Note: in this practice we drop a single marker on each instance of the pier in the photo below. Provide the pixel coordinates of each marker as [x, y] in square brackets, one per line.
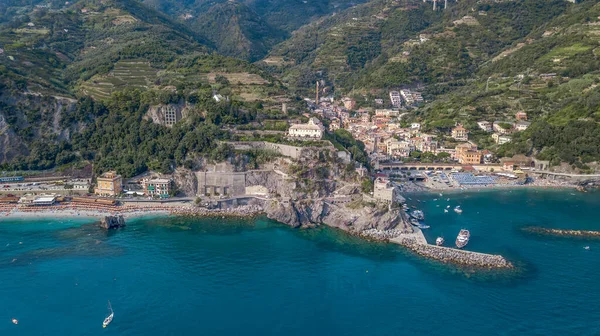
[417, 243]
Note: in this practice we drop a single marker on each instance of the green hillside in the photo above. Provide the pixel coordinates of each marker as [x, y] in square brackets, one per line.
[385, 44]
[237, 31]
[553, 75]
[247, 29]
[54, 60]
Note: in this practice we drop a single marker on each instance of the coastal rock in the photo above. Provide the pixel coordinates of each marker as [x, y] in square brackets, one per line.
[186, 181]
[311, 213]
[112, 222]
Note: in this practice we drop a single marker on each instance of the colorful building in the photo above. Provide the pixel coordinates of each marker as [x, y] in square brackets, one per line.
[109, 184]
[157, 187]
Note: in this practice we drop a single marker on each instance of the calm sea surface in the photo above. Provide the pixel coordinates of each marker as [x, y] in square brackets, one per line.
[170, 276]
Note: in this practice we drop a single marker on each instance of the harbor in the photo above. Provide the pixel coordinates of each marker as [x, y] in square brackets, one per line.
[417, 243]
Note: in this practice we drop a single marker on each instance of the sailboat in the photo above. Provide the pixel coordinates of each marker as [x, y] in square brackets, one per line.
[109, 318]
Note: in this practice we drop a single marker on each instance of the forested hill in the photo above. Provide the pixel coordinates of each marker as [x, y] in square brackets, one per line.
[95, 67]
[248, 28]
[236, 30]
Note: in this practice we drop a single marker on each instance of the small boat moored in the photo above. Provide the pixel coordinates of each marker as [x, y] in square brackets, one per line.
[439, 241]
[463, 238]
[15, 321]
[458, 210]
[416, 223]
[417, 214]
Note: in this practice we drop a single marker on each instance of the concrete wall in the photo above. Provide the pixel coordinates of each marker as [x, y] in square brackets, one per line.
[294, 152]
[222, 183]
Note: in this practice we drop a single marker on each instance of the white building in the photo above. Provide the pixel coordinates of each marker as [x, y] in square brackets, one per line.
[395, 98]
[485, 125]
[415, 126]
[411, 97]
[312, 130]
[156, 187]
[407, 96]
[384, 190]
[499, 129]
[500, 139]
[522, 125]
[387, 113]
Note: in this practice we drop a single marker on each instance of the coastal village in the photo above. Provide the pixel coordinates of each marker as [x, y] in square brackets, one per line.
[401, 159]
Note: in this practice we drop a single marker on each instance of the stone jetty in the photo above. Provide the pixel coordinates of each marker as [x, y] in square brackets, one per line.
[456, 256]
[112, 222]
[562, 232]
[417, 243]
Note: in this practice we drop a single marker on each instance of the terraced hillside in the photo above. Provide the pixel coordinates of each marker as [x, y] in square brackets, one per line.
[386, 44]
[53, 59]
[125, 74]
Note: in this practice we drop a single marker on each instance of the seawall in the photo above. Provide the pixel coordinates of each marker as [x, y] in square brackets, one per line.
[417, 243]
[562, 232]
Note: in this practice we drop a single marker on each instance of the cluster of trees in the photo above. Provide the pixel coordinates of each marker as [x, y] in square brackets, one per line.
[115, 135]
[577, 142]
[347, 141]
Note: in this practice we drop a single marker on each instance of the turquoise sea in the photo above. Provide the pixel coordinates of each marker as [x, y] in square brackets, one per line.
[173, 276]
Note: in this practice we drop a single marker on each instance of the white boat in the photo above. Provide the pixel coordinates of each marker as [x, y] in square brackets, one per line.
[463, 238]
[586, 248]
[439, 241]
[446, 210]
[441, 195]
[419, 225]
[418, 214]
[458, 210]
[447, 207]
[109, 318]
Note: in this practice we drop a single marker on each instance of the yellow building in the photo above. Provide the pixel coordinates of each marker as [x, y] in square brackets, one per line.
[470, 157]
[109, 184]
[460, 133]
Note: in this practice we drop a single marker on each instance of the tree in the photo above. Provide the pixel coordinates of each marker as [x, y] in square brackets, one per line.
[367, 185]
[443, 156]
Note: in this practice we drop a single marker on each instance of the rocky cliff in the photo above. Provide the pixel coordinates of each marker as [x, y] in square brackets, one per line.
[355, 220]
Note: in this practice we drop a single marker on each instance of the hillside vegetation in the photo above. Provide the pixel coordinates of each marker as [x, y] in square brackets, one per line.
[247, 29]
[53, 58]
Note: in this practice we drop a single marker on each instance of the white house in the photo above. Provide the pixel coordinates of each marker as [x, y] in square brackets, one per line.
[485, 125]
[395, 98]
[499, 129]
[500, 139]
[415, 126]
[522, 125]
[313, 130]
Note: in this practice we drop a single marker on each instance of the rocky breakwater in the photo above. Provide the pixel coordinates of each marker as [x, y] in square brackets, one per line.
[242, 211]
[562, 232]
[112, 222]
[456, 256]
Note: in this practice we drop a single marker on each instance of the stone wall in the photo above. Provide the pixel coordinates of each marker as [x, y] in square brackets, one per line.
[221, 183]
[293, 152]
